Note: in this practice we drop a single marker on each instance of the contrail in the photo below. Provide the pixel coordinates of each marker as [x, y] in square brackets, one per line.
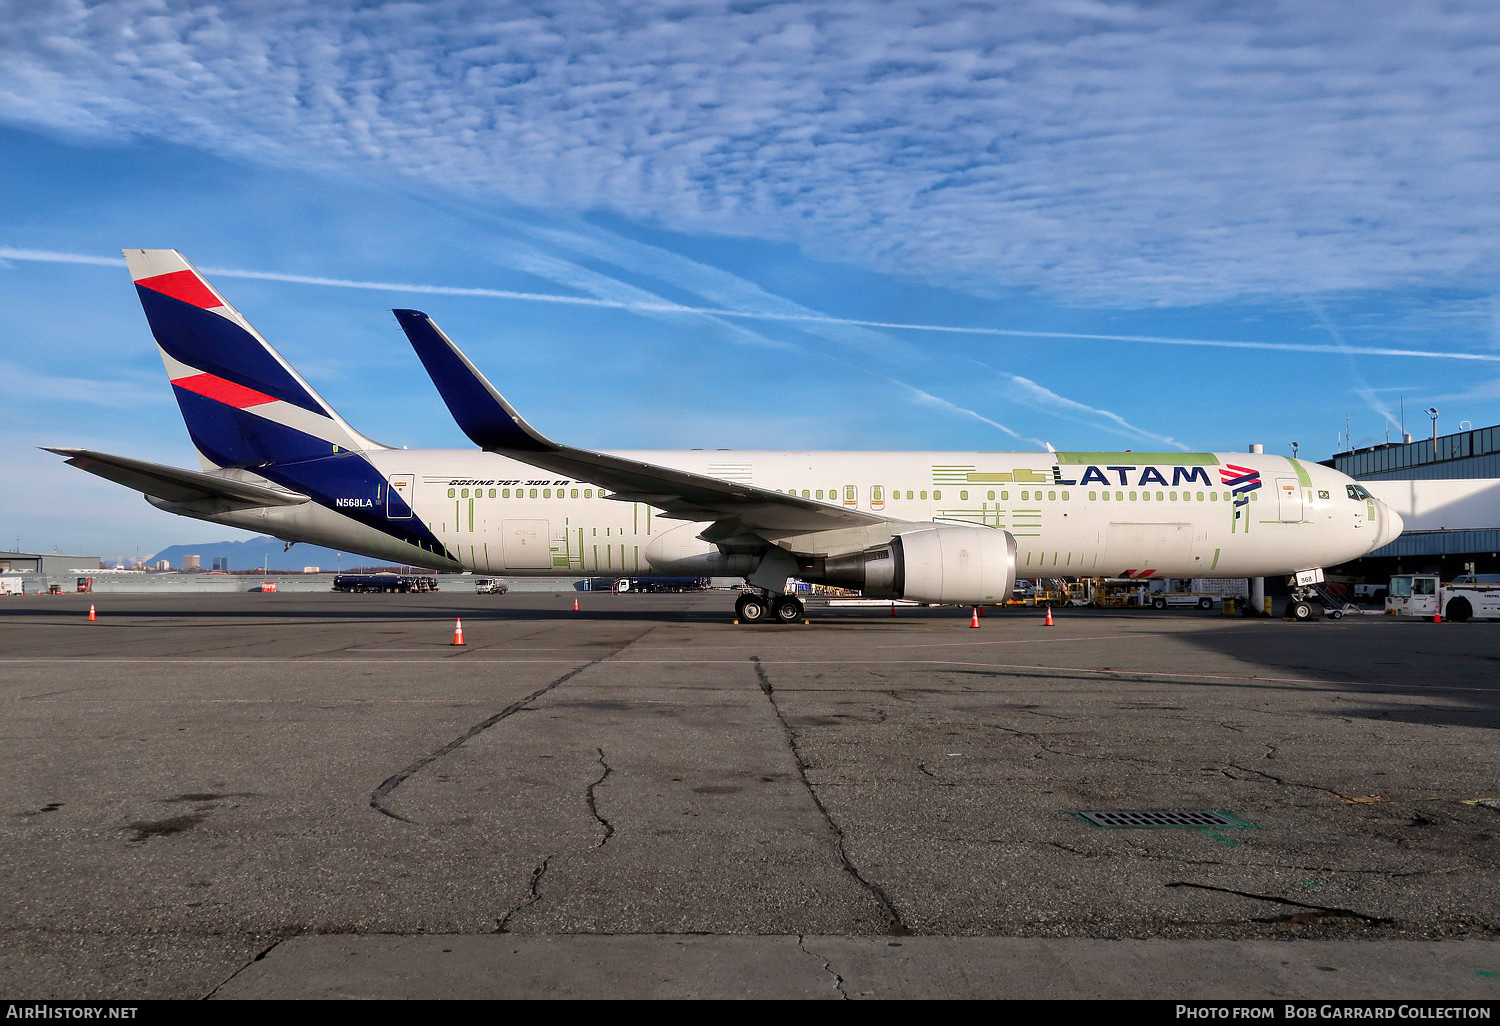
[645, 307]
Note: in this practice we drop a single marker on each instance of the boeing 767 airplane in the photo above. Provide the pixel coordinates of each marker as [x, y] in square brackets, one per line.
[938, 527]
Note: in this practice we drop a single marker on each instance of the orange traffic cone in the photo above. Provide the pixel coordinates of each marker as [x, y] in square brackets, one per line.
[458, 632]
[1048, 622]
[92, 617]
[981, 612]
[893, 609]
[1437, 616]
[974, 620]
[575, 605]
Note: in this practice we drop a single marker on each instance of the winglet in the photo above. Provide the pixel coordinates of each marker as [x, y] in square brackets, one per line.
[481, 412]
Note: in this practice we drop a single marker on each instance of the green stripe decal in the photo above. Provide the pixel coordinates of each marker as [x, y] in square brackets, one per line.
[1136, 459]
[1302, 477]
[1215, 564]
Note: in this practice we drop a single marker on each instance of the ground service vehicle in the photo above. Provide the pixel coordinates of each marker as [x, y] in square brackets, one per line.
[1425, 595]
[386, 582]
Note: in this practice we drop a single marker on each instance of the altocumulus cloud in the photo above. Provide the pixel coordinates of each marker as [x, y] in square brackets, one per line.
[1109, 152]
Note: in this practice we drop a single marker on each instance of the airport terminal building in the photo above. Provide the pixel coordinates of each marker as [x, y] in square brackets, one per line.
[1448, 490]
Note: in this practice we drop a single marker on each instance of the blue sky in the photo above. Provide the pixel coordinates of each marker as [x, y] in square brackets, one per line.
[756, 225]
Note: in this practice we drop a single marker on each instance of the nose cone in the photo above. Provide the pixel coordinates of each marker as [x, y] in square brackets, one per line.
[1390, 524]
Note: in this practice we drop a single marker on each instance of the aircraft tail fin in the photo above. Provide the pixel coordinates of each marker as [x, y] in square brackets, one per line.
[244, 405]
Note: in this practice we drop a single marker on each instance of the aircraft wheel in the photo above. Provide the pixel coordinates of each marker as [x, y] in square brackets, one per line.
[787, 609]
[1300, 611]
[752, 609]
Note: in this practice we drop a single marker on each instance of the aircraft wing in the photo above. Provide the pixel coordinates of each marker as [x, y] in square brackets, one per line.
[493, 424]
[176, 485]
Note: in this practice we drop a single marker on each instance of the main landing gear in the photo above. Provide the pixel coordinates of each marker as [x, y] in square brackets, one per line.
[757, 607]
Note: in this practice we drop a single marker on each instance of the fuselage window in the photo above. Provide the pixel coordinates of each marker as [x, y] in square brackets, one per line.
[1025, 496]
[937, 495]
[533, 493]
[492, 493]
[992, 496]
[909, 493]
[963, 496]
[546, 493]
[588, 493]
[1172, 496]
[505, 493]
[805, 495]
[452, 492]
[464, 493]
[1212, 496]
[1004, 496]
[819, 494]
[1132, 496]
[1065, 496]
[574, 494]
[1160, 496]
[924, 495]
[1051, 496]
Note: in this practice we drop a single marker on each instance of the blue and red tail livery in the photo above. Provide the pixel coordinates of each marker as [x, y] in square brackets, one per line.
[244, 405]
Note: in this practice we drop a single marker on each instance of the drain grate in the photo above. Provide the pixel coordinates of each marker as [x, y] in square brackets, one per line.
[1163, 819]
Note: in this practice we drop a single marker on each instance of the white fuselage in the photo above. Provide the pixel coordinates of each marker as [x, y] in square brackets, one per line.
[1071, 514]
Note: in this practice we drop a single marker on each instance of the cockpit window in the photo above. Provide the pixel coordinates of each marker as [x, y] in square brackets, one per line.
[1358, 492]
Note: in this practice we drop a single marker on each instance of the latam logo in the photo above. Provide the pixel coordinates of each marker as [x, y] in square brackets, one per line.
[1129, 475]
[1241, 481]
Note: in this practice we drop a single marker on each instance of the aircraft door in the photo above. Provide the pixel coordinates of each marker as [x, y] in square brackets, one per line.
[526, 545]
[1289, 499]
[398, 497]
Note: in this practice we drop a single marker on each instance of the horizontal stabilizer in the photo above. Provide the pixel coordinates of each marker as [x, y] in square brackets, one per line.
[176, 485]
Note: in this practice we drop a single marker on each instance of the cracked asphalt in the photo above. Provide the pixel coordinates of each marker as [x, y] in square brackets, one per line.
[316, 795]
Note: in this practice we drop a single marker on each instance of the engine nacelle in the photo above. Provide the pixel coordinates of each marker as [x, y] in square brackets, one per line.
[948, 563]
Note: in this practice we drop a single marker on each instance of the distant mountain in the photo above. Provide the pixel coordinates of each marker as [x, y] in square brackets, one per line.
[253, 554]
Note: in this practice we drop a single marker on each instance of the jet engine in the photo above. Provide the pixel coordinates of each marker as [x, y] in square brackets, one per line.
[947, 563]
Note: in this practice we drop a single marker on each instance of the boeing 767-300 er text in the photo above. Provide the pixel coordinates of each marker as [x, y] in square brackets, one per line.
[940, 527]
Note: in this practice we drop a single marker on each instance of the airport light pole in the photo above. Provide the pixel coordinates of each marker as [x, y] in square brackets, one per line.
[1433, 413]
